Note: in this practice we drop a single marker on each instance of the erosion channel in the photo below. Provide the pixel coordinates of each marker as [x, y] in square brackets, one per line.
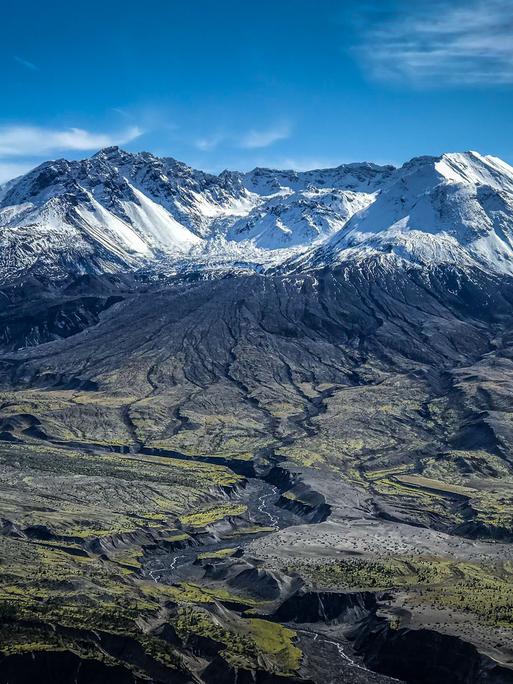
[222, 572]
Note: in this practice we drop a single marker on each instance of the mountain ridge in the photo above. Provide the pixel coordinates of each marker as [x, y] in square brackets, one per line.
[119, 211]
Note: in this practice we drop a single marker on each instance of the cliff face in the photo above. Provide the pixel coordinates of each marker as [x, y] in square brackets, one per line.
[425, 656]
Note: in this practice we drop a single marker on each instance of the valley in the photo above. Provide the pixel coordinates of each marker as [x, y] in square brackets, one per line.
[289, 467]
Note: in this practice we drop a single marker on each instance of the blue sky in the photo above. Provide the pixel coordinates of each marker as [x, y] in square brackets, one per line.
[226, 84]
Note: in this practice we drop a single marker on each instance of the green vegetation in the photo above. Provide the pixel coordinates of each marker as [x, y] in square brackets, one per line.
[358, 423]
[379, 574]
[253, 529]
[273, 638]
[494, 509]
[239, 648]
[436, 486]
[219, 554]
[76, 494]
[73, 501]
[484, 591]
[245, 641]
[458, 467]
[479, 593]
[211, 515]
[47, 591]
[188, 592]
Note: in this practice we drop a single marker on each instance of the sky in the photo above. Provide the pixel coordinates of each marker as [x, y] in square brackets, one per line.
[238, 84]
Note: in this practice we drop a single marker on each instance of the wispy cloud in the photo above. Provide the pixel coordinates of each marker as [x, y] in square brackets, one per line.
[256, 138]
[249, 140]
[209, 142]
[34, 140]
[122, 112]
[444, 43]
[26, 63]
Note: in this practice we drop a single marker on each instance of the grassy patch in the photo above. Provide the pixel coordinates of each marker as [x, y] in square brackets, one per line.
[212, 514]
[273, 638]
[433, 485]
[246, 642]
[220, 553]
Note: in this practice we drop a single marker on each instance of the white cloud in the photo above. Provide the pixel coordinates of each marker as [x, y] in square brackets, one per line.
[26, 63]
[255, 138]
[209, 142]
[33, 140]
[248, 140]
[446, 42]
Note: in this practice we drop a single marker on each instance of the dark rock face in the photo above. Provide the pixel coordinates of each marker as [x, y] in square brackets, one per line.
[420, 656]
[50, 667]
[37, 311]
[251, 342]
[327, 607]
[426, 657]
[220, 672]
[351, 314]
[31, 326]
[306, 503]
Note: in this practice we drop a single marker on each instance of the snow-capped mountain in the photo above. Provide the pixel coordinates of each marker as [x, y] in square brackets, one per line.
[111, 212]
[359, 177]
[457, 208]
[299, 208]
[299, 218]
[148, 204]
[118, 211]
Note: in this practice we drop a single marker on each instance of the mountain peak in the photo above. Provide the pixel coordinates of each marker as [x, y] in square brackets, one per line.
[473, 167]
[111, 151]
[454, 208]
[118, 209]
[113, 154]
[466, 168]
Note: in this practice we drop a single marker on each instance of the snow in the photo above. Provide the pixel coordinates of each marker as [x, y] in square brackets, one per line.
[457, 208]
[47, 241]
[110, 231]
[299, 218]
[239, 206]
[361, 177]
[474, 168]
[119, 211]
[157, 224]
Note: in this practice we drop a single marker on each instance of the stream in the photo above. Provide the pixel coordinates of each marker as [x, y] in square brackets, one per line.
[327, 654]
[326, 650]
[168, 566]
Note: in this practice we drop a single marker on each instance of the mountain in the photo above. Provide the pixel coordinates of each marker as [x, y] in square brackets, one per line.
[109, 213]
[300, 208]
[120, 212]
[457, 208]
[299, 218]
[358, 177]
[256, 427]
